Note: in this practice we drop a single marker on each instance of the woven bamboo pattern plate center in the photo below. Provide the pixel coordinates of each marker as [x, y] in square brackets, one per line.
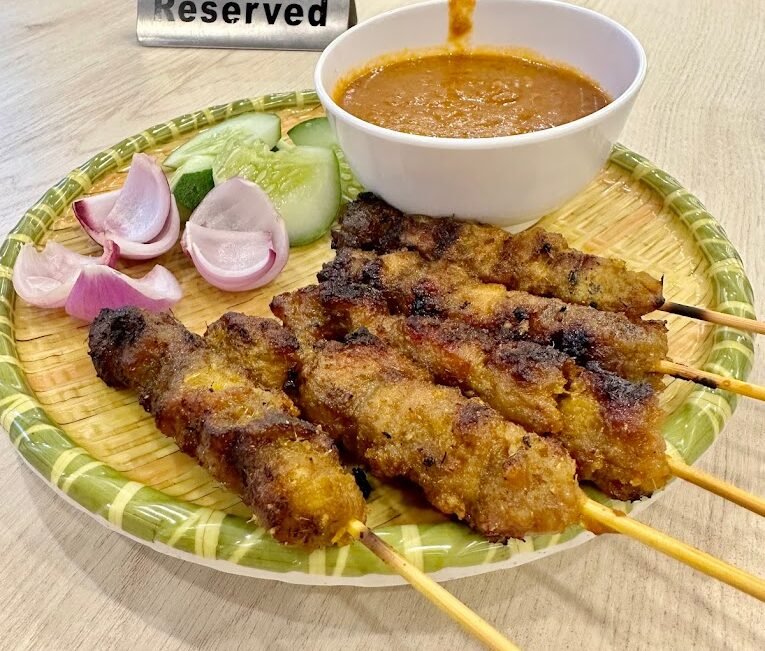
[97, 447]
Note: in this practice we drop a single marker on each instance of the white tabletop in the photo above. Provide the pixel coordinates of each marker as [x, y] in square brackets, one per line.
[74, 80]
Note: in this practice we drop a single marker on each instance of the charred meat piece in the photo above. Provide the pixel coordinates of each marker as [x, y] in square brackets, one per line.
[610, 426]
[536, 261]
[415, 286]
[248, 437]
[470, 462]
[517, 377]
[263, 348]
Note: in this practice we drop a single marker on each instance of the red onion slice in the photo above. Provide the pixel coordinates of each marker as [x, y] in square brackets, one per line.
[45, 278]
[164, 241]
[235, 238]
[137, 212]
[93, 210]
[98, 287]
[234, 261]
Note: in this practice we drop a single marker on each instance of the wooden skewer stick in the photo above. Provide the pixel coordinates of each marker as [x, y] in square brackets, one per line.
[717, 486]
[620, 523]
[711, 316]
[711, 380]
[437, 595]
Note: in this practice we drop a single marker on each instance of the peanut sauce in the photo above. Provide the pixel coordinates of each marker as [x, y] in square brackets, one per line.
[460, 20]
[459, 93]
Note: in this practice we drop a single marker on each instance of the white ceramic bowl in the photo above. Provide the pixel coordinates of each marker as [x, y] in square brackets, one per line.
[510, 180]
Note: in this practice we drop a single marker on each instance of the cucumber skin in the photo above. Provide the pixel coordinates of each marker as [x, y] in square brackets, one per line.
[269, 134]
[191, 188]
[349, 184]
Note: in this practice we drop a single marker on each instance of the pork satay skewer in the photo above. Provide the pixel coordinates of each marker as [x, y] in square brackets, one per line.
[536, 261]
[383, 409]
[415, 286]
[249, 437]
[634, 349]
[610, 426]
[287, 470]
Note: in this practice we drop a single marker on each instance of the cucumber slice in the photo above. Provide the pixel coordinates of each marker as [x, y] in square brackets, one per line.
[250, 126]
[316, 132]
[303, 183]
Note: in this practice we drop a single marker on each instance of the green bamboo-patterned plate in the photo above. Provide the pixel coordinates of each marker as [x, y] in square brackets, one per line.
[98, 449]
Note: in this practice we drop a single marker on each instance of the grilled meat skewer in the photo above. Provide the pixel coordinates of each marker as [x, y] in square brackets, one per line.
[535, 261]
[415, 286]
[248, 437]
[610, 426]
[502, 480]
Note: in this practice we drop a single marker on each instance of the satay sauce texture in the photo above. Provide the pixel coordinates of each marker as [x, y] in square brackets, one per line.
[479, 93]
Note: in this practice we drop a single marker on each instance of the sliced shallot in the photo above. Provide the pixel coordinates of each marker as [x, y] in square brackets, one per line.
[231, 260]
[94, 212]
[45, 278]
[98, 287]
[143, 203]
[164, 241]
[235, 238]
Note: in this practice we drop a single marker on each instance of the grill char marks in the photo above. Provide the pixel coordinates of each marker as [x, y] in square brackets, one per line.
[247, 436]
[351, 265]
[610, 426]
[535, 261]
[412, 285]
[385, 409]
[616, 433]
[520, 377]
[122, 362]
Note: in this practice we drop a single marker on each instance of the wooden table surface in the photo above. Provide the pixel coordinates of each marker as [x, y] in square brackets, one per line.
[74, 80]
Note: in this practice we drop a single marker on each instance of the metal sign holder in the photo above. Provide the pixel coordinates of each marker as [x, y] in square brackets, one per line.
[269, 24]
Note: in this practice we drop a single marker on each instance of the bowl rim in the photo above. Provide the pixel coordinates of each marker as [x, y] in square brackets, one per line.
[438, 142]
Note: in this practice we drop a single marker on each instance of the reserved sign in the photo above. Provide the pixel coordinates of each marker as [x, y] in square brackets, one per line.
[274, 24]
